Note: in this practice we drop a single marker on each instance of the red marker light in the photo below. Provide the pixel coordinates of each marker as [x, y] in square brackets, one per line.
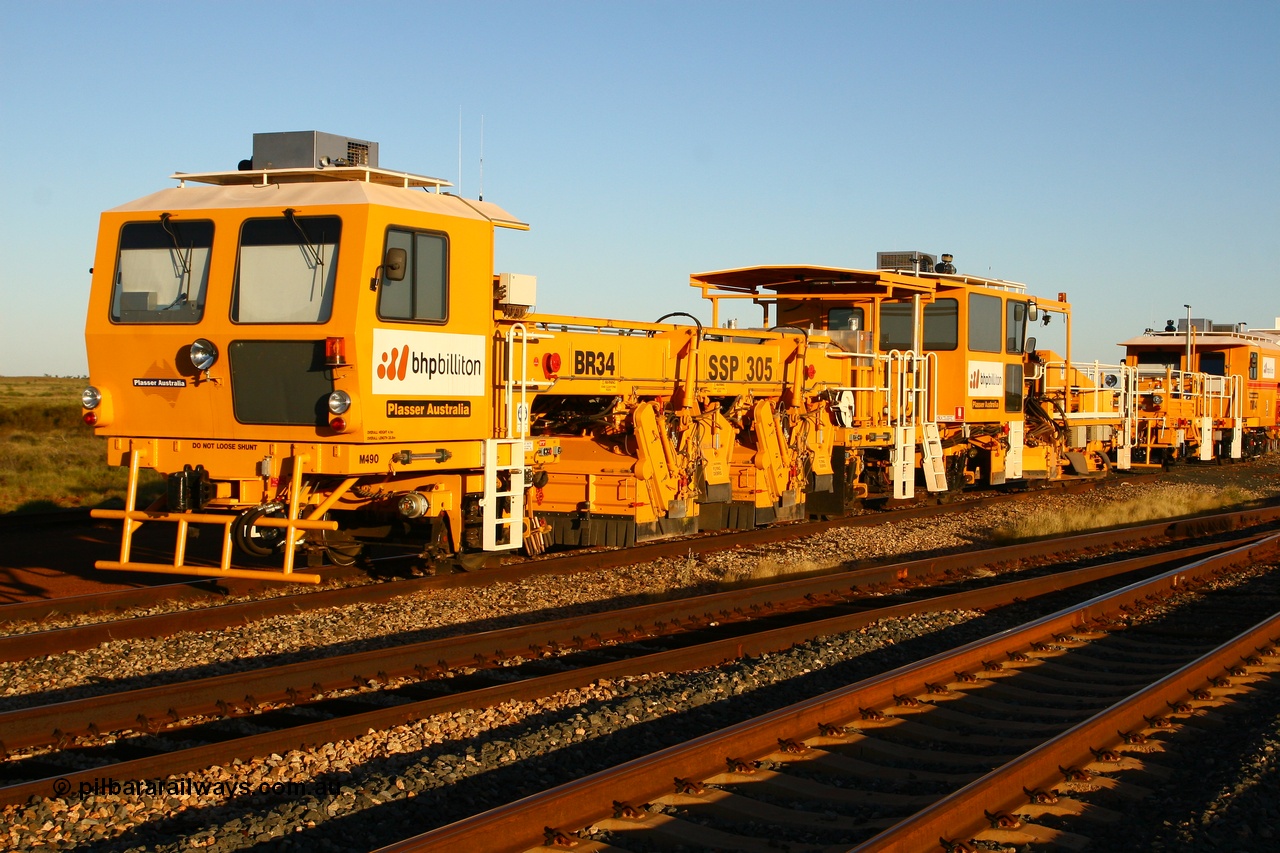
[551, 363]
[338, 424]
[810, 371]
[90, 418]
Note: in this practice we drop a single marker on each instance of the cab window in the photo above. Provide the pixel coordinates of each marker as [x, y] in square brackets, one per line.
[942, 324]
[846, 320]
[1159, 362]
[287, 269]
[1015, 326]
[1214, 363]
[984, 323]
[895, 326]
[162, 271]
[1013, 387]
[422, 295]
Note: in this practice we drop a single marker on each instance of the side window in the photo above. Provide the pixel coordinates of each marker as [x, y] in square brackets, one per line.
[1013, 387]
[1253, 365]
[895, 326]
[423, 294]
[1215, 363]
[984, 323]
[846, 320]
[942, 324]
[162, 271]
[1015, 326]
[287, 269]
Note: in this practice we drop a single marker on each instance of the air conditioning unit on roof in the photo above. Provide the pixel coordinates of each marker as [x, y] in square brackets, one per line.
[311, 149]
[905, 261]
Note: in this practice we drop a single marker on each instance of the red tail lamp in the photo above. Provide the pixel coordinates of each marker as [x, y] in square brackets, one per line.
[338, 424]
[335, 352]
[810, 371]
[90, 418]
[551, 363]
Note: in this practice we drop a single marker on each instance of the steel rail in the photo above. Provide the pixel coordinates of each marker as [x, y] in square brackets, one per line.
[960, 814]
[706, 654]
[583, 559]
[41, 643]
[219, 695]
[520, 826]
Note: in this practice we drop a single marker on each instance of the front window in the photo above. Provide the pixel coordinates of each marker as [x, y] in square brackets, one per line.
[287, 269]
[162, 271]
[423, 292]
[984, 323]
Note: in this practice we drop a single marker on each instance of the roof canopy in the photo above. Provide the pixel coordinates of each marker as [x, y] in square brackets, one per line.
[806, 280]
[367, 174]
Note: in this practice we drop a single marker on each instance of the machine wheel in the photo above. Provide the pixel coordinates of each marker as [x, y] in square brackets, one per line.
[340, 550]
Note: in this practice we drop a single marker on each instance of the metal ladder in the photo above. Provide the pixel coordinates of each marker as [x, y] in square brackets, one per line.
[506, 456]
[913, 406]
[934, 465]
[1206, 438]
[902, 462]
[513, 466]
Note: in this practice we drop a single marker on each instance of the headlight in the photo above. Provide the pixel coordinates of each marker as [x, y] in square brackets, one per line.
[1156, 400]
[90, 397]
[203, 354]
[339, 402]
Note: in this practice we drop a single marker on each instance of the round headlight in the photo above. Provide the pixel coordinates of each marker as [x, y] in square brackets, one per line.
[1156, 399]
[339, 402]
[90, 397]
[203, 354]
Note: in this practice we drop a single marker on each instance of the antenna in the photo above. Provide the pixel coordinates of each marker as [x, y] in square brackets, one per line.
[459, 149]
[481, 196]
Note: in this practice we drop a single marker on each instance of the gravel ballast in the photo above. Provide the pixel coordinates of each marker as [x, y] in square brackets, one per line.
[390, 784]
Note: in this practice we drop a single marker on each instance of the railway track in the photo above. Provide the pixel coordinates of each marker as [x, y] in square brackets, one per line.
[216, 591]
[986, 743]
[185, 727]
[114, 620]
[322, 707]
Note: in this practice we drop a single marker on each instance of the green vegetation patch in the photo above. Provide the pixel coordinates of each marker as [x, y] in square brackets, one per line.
[48, 458]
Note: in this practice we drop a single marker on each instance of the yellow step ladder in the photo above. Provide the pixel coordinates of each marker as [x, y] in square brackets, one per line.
[934, 464]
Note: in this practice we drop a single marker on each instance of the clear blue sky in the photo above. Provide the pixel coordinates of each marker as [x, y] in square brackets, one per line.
[1126, 153]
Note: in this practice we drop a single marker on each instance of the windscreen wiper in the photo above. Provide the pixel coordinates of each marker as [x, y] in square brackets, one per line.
[184, 260]
[306, 241]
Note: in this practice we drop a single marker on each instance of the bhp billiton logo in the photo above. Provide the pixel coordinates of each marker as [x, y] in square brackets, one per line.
[395, 364]
[428, 363]
[978, 379]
